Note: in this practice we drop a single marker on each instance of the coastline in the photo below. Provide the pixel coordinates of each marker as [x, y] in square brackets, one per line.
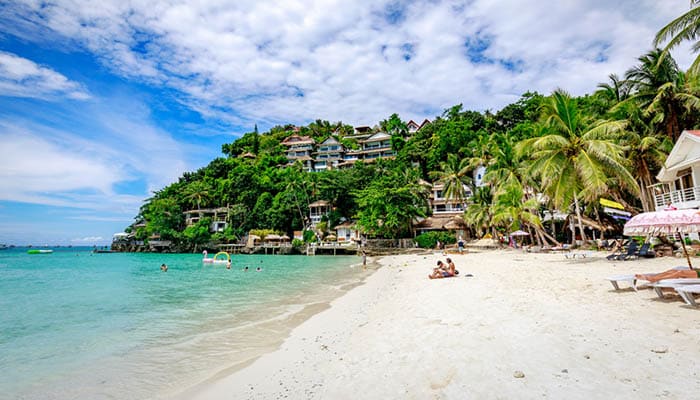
[555, 320]
[271, 338]
[118, 327]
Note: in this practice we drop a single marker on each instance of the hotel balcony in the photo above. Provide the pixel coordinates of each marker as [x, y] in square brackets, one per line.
[681, 199]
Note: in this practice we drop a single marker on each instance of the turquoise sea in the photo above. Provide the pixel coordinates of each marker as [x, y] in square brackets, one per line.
[78, 325]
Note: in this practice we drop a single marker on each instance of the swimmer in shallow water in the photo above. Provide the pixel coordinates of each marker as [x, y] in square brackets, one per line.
[163, 267]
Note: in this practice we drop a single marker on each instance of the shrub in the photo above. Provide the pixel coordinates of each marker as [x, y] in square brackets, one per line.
[309, 236]
[428, 240]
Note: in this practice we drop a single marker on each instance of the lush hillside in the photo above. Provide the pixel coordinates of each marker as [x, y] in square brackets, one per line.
[572, 150]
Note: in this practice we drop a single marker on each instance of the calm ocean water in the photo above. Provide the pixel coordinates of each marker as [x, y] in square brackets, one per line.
[113, 326]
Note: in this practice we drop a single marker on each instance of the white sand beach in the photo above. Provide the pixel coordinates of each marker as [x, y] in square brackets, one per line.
[555, 320]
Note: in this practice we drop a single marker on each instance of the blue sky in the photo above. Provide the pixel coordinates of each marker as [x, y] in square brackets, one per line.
[102, 103]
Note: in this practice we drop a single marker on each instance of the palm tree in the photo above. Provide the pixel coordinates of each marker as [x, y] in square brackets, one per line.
[196, 193]
[454, 177]
[646, 152]
[505, 166]
[616, 91]
[685, 27]
[666, 94]
[478, 212]
[576, 160]
[511, 211]
[676, 104]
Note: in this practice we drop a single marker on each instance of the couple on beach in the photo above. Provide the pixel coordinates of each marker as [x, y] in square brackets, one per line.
[444, 271]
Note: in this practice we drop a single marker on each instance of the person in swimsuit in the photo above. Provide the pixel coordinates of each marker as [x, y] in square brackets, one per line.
[451, 267]
[442, 271]
[670, 274]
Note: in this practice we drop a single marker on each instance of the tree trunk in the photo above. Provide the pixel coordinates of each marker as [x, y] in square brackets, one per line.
[546, 235]
[602, 227]
[554, 225]
[580, 222]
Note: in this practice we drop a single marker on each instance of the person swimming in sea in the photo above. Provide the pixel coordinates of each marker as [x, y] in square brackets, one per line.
[163, 267]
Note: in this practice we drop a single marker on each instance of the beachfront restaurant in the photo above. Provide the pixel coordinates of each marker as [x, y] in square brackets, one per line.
[453, 223]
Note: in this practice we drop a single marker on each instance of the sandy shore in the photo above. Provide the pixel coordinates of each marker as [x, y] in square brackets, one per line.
[556, 320]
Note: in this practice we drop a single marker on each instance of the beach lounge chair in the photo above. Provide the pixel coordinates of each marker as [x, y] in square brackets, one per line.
[646, 251]
[614, 255]
[578, 254]
[632, 279]
[642, 252]
[632, 250]
[674, 284]
[687, 292]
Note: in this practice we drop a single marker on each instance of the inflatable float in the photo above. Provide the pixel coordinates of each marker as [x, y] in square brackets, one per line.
[216, 259]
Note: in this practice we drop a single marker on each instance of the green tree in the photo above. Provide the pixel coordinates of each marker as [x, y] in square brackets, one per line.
[454, 176]
[664, 92]
[646, 152]
[614, 92]
[397, 129]
[511, 211]
[198, 234]
[388, 206]
[478, 212]
[576, 159]
[684, 28]
[163, 217]
[197, 193]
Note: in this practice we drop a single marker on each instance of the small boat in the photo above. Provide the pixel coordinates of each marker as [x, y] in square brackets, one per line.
[36, 251]
[3, 246]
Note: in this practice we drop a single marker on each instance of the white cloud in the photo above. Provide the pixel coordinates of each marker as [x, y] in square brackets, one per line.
[21, 77]
[42, 164]
[272, 62]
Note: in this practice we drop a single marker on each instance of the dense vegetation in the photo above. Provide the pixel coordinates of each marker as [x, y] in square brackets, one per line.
[541, 153]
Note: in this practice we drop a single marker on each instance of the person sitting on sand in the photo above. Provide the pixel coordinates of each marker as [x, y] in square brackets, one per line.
[440, 267]
[451, 266]
[670, 274]
[442, 271]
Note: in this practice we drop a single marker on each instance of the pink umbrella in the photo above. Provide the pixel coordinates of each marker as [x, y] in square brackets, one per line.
[665, 223]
